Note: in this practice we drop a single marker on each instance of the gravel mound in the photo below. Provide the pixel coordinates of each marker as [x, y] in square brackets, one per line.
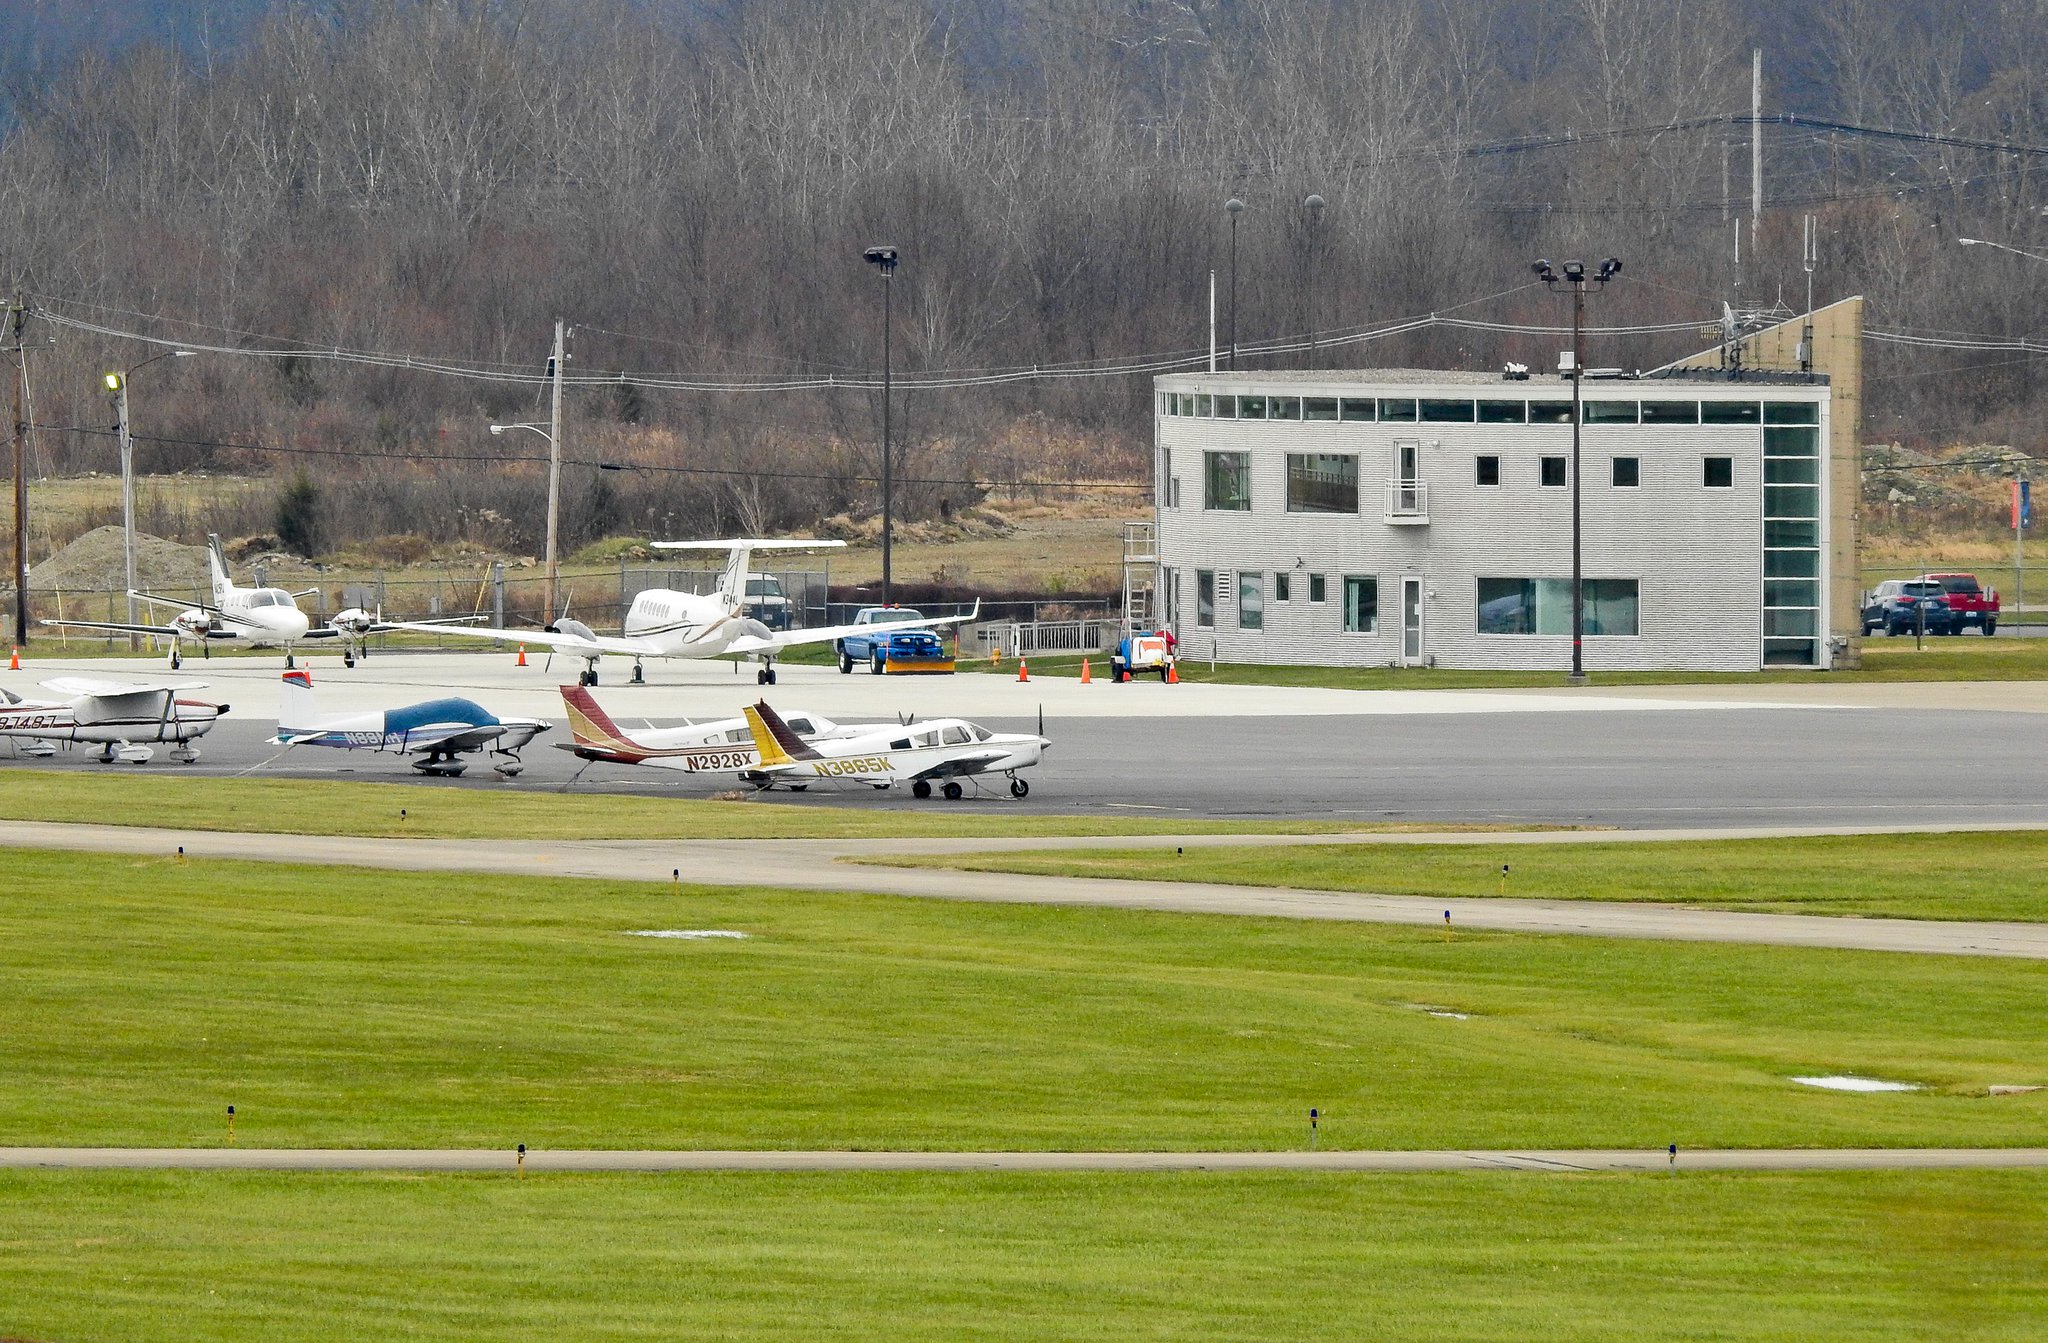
[93, 563]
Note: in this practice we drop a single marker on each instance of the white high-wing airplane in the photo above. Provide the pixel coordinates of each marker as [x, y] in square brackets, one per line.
[251, 617]
[946, 749]
[723, 746]
[665, 624]
[437, 731]
[118, 716]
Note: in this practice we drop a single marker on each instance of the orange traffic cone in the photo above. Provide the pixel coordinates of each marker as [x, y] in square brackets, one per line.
[14, 660]
[1086, 679]
[1172, 674]
[1023, 670]
[522, 656]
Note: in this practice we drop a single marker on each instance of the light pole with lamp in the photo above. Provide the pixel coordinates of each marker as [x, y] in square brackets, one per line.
[1575, 276]
[884, 260]
[1314, 207]
[1233, 207]
[552, 435]
[117, 383]
[2021, 503]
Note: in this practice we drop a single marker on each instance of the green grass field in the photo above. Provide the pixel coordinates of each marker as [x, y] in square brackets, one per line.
[361, 1008]
[1990, 875]
[425, 811]
[229, 1258]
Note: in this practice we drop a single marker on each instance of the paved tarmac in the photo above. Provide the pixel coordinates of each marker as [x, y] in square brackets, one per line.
[539, 1161]
[1816, 752]
[815, 865]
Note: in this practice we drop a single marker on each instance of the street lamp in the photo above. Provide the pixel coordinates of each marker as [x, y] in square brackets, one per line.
[1314, 206]
[117, 383]
[1233, 207]
[2003, 247]
[554, 502]
[884, 260]
[1575, 276]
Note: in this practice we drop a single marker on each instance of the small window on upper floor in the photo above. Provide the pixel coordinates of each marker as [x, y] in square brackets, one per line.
[1486, 471]
[1719, 473]
[1550, 473]
[1628, 472]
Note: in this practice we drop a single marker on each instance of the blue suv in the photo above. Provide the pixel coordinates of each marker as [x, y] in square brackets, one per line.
[1903, 605]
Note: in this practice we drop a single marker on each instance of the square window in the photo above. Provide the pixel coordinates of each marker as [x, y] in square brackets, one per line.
[1551, 473]
[1720, 473]
[1316, 589]
[1227, 481]
[1361, 604]
[1628, 472]
[1486, 470]
[1319, 482]
[1283, 590]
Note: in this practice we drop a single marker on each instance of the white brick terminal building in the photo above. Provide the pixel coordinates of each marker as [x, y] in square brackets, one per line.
[1422, 517]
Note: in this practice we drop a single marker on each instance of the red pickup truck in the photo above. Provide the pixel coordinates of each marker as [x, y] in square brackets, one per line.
[1972, 605]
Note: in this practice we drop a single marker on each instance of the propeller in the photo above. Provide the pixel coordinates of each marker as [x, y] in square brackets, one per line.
[1041, 718]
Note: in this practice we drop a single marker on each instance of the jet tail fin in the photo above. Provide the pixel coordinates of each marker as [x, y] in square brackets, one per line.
[296, 708]
[776, 742]
[217, 569]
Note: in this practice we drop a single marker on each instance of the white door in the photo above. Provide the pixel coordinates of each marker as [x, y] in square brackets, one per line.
[1411, 622]
[1408, 476]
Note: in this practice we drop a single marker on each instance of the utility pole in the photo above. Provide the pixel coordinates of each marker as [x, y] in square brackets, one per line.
[555, 468]
[884, 259]
[1756, 146]
[20, 311]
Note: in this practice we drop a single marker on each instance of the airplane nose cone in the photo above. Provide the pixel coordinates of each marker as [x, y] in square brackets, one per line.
[293, 624]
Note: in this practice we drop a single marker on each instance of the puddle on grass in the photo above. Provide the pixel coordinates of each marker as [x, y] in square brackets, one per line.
[1837, 1083]
[687, 934]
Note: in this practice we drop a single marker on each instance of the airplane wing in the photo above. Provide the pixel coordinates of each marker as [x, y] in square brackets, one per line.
[182, 605]
[961, 764]
[115, 627]
[86, 685]
[828, 633]
[568, 643]
[474, 739]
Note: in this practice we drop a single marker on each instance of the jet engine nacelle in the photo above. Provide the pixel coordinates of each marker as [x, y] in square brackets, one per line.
[573, 627]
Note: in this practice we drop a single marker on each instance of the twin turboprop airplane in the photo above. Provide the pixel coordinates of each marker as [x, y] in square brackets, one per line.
[120, 717]
[250, 617]
[665, 624]
[724, 746]
[438, 731]
[946, 749]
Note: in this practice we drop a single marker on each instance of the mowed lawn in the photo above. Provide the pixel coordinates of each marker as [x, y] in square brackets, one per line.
[254, 1258]
[345, 1007]
[1989, 875]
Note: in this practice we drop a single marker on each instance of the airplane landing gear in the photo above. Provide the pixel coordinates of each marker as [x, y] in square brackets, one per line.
[511, 766]
[289, 661]
[1019, 788]
[348, 659]
[176, 661]
[128, 753]
[186, 754]
[440, 766]
[588, 676]
[639, 673]
[766, 675]
[953, 791]
[920, 789]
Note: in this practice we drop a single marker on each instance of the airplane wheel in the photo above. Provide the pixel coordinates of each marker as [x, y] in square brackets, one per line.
[920, 789]
[639, 675]
[176, 661]
[771, 676]
[348, 659]
[760, 676]
[589, 677]
[1019, 788]
[290, 662]
[954, 792]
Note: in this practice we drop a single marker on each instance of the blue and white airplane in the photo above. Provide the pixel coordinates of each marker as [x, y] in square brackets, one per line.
[437, 731]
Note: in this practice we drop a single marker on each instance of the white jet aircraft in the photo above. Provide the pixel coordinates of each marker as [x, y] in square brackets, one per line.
[946, 749]
[438, 731]
[117, 716]
[724, 746]
[251, 617]
[665, 624]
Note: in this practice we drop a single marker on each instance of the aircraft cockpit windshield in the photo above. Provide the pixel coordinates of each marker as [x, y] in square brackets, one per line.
[980, 733]
[270, 597]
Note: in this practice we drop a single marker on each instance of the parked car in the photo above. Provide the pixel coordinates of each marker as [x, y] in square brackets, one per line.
[892, 650]
[1972, 603]
[766, 601]
[1904, 605]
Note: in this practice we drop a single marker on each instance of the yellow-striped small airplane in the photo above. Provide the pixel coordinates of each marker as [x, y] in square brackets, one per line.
[945, 750]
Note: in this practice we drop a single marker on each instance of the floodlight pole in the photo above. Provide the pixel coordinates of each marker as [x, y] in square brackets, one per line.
[555, 470]
[118, 384]
[20, 312]
[884, 259]
[1575, 277]
[1233, 207]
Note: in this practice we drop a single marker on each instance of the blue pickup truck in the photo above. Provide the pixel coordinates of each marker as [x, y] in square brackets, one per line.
[897, 651]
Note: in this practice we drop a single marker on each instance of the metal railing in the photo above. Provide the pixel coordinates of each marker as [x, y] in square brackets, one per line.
[1027, 637]
[1407, 501]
